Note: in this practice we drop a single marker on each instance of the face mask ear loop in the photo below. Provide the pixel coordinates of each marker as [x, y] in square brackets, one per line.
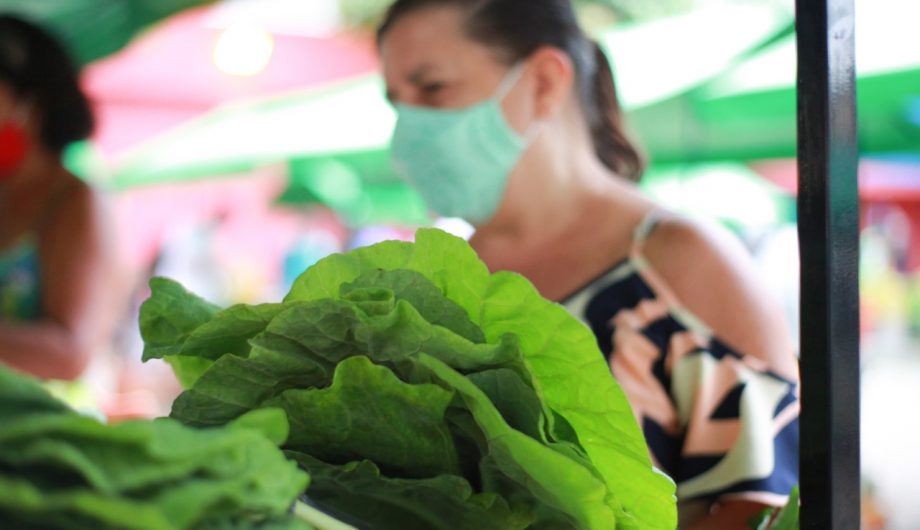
[511, 79]
[533, 130]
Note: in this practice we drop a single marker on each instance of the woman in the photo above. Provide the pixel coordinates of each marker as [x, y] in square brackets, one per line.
[508, 118]
[53, 254]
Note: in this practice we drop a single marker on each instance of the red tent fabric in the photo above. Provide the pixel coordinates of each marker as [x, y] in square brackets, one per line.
[168, 76]
[881, 183]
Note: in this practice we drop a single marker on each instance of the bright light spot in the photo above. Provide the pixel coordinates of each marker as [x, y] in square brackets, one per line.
[243, 51]
[455, 226]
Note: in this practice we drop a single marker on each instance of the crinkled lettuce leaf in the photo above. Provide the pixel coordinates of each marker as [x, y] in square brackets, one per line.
[359, 491]
[551, 477]
[59, 469]
[344, 422]
[302, 345]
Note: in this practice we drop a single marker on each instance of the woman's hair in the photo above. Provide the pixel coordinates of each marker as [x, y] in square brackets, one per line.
[39, 71]
[515, 29]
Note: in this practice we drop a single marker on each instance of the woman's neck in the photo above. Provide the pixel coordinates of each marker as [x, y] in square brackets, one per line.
[569, 213]
[553, 190]
[565, 216]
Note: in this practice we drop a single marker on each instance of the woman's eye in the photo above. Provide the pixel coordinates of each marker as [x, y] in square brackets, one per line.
[432, 88]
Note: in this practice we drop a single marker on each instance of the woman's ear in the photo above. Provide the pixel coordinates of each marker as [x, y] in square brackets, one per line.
[554, 76]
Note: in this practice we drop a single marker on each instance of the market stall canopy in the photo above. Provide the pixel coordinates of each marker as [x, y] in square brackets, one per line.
[204, 57]
[93, 29]
[729, 192]
[353, 120]
[345, 120]
[358, 201]
[658, 59]
[749, 111]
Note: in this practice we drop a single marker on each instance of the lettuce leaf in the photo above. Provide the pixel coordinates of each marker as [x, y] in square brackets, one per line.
[442, 502]
[22, 396]
[421, 294]
[551, 477]
[785, 518]
[167, 319]
[60, 470]
[229, 331]
[169, 316]
[343, 422]
[302, 344]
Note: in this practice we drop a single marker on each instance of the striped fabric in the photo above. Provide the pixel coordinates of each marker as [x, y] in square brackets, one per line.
[720, 423]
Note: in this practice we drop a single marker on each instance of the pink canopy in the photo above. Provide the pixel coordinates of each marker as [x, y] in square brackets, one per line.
[168, 75]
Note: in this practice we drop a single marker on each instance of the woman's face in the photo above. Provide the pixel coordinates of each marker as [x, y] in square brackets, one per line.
[429, 61]
[17, 109]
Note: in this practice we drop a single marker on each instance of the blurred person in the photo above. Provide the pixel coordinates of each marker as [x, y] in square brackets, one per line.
[508, 118]
[55, 276]
[872, 512]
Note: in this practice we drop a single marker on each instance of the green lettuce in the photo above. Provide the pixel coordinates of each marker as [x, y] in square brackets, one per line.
[785, 518]
[61, 470]
[408, 367]
[444, 502]
[343, 422]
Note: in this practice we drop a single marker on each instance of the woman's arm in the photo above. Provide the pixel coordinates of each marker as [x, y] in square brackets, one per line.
[77, 287]
[714, 277]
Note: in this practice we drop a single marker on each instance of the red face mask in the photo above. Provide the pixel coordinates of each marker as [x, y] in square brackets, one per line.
[14, 144]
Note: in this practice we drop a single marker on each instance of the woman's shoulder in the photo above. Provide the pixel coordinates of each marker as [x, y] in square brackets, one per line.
[673, 242]
[713, 276]
[75, 188]
[72, 207]
[71, 195]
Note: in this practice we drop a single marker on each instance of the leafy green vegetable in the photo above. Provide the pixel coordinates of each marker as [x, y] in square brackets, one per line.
[22, 397]
[560, 352]
[168, 317]
[786, 518]
[413, 363]
[513, 398]
[552, 478]
[342, 423]
[62, 470]
[422, 295]
[443, 502]
[229, 331]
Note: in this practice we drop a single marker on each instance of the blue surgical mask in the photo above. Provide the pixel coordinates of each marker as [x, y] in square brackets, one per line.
[459, 159]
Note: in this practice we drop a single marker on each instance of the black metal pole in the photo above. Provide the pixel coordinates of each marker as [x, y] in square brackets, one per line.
[828, 208]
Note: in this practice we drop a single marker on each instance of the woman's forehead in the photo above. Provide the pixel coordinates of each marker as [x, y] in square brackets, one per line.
[431, 45]
[426, 37]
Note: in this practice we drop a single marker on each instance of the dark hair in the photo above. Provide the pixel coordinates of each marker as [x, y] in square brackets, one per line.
[38, 69]
[516, 28]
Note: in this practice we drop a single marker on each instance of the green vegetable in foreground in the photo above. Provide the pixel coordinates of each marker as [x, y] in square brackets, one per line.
[60, 470]
[422, 392]
[786, 518]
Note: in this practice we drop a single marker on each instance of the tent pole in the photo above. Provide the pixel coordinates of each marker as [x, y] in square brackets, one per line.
[828, 209]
